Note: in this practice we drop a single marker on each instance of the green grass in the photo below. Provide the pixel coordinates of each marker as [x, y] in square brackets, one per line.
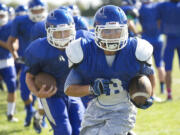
[160, 119]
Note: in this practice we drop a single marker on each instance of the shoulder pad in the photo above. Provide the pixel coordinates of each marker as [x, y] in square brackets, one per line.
[74, 52]
[144, 50]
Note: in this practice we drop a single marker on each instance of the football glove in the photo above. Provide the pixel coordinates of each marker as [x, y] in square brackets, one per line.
[100, 86]
[20, 60]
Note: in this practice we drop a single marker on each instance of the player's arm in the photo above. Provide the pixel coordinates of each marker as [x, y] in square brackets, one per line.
[73, 85]
[3, 45]
[13, 46]
[132, 27]
[42, 93]
[74, 80]
[143, 53]
[74, 88]
[33, 67]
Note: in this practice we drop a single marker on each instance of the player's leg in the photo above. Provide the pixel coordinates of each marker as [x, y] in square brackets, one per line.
[98, 120]
[1, 84]
[119, 122]
[159, 64]
[57, 114]
[39, 118]
[168, 59]
[76, 110]
[27, 98]
[178, 51]
[9, 76]
[18, 70]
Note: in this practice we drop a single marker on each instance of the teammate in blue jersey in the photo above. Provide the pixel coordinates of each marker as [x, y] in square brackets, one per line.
[74, 10]
[151, 32]
[38, 30]
[21, 10]
[80, 23]
[7, 69]
[168, 13]
[48, 55]
[11, 13]
[132, 14]
[21, 30]
[110, 61]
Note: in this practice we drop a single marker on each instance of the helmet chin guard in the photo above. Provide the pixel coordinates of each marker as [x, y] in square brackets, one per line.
[37, 17]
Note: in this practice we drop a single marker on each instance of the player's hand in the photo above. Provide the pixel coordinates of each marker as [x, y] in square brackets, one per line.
[147, 104]
[101, 86]
[20, 60]
[44, 93]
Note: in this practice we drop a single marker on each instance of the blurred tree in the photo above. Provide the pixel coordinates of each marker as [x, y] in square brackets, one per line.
[12, 4]
[111, 2]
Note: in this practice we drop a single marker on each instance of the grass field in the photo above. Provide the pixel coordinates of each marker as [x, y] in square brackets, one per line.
[160, 119]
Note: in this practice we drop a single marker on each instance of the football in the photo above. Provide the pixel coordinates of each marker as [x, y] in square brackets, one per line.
[44, 78]
[140, 89]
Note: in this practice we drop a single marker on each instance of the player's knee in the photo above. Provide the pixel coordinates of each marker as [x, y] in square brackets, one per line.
[11, 86]
[25, 96]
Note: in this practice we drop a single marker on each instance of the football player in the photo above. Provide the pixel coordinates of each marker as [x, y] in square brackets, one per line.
[7, 69]
[11, 13]
[103, 68]
[168, 13]
[151, 32]
[48, 55]
[74, 10]
[21, 10]
[21, 30]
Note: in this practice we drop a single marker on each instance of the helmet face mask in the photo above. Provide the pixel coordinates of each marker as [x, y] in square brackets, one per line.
[111, 29]
[37, 13]
[60, 35]
[60, 28]
[3, 17]
[111, 37]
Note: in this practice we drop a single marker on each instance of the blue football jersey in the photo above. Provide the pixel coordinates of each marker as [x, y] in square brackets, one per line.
[5, 31]
[40, 56]
[148, 19]
[21, 29]
[124, 67]
[90, 63]
[38, 31]
[169, 15]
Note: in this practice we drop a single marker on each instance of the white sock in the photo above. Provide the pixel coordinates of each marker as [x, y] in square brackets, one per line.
[11, 108]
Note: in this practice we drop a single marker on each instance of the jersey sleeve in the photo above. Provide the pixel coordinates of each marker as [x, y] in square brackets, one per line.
[32, 61]
[15, 27]
[159, 9]
[38, 31]
[73, 78]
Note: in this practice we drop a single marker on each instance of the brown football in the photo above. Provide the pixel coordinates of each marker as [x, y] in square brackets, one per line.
[44, 78]
[140, 89]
